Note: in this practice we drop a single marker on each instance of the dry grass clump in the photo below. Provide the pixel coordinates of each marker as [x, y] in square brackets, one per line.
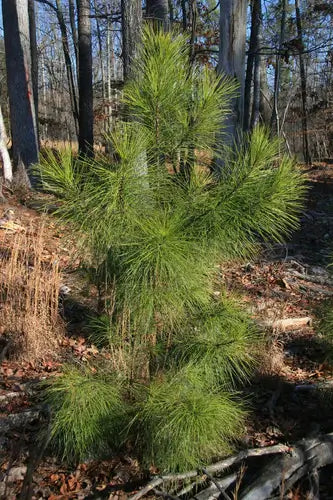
[272, 359]
[29, 291]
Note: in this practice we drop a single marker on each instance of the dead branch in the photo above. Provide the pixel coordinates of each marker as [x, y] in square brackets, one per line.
[213, 492]
[320, 280]
[211, 469]
[18, 420]
[306, 456]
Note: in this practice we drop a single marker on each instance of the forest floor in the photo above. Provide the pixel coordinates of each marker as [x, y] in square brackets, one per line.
[285, 288]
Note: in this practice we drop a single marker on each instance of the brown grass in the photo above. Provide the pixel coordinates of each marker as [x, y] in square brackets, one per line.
[29, 291]
[272, 359]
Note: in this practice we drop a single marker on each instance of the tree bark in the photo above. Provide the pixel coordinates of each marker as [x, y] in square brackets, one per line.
[257, 60]
[194, 19]
[275, 124]
[158, 11]
[68, 63]
[73, 29]
[264, 101]
[184, 15]
[232, 55]
[171, 12]
[253, 47]
[34, 57]
[131, 26]
[86, 113]
[20, 89]
[4, 155]
[306, 152]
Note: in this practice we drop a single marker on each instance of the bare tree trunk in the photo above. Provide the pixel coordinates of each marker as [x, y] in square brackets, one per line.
[4, 155]
[250, 64]
[194, 19]
[306, 152]
[100, 52]
[232, 55]
[72, 20]
[158, 10]
[86, 114]
[109, 51]
[34, 57]
[171, 12]
[68, 63]
[131, 26]
[264, 101]
[184, 15]
[256, 75]
[275, 125]
[20, 90]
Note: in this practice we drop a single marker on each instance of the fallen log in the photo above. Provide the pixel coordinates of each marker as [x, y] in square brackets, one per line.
[306, 456]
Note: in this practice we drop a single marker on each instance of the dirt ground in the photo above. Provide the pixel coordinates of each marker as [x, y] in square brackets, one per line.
[285, 288]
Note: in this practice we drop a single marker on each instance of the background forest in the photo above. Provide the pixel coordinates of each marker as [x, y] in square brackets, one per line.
[280, 52]
[157, 158]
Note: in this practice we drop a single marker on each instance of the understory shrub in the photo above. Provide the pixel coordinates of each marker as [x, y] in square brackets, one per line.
[154, 222]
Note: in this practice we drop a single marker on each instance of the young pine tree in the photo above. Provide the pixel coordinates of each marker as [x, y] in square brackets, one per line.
[154, 223]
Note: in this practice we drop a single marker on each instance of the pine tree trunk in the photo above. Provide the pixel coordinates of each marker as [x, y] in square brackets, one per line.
[131, 27]
[232, 55]
[20, 89]
[158, 10]
[86, 113]
[4, 155]
[306, 152]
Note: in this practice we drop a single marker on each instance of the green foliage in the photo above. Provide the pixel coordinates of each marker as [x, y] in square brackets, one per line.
[154, 238]
[178, 106]
[102, 331]
[59, 172]
[258, 197]
[222, 342]
[88, 411]
[182, 424]
[162, 271]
